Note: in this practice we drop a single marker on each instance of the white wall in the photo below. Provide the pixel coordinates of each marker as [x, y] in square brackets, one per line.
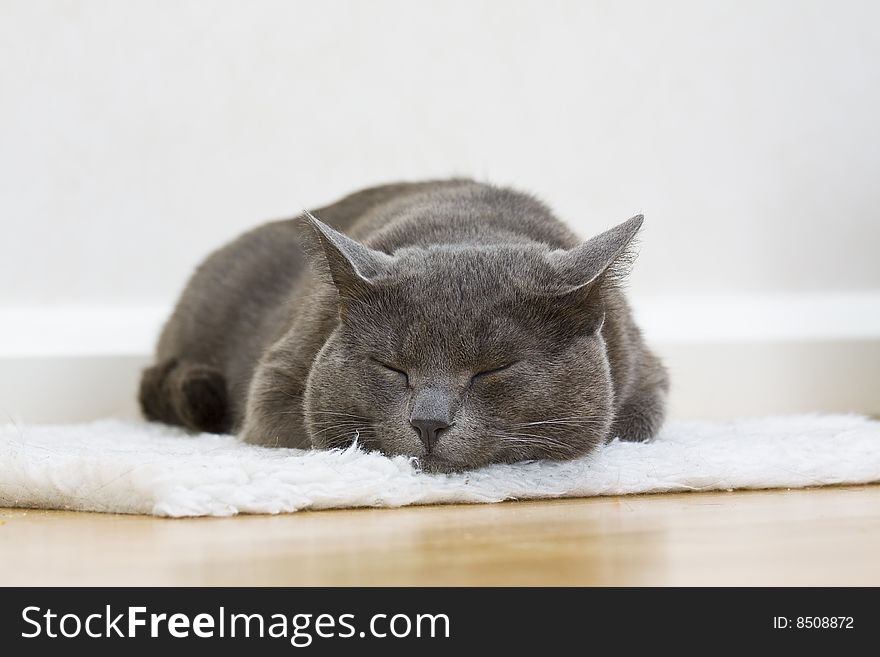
[137, 135]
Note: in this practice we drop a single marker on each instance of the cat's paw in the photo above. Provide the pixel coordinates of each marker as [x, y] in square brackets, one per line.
[191, 395]
[153, 395]
[639, 420]
[633, 429]
[200, 398]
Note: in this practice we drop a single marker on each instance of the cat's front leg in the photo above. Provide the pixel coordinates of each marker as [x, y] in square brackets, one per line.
[274, 410]
[641, 415]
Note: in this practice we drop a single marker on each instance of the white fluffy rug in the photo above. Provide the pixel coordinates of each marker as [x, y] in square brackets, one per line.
[131, 467]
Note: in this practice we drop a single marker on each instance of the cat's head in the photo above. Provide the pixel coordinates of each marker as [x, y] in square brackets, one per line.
[464, 356]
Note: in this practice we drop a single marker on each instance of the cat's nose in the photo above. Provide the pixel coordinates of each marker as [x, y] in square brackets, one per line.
[432, 412]
[429, 430]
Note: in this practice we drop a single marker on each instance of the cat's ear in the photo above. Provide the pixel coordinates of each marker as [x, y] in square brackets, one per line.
[607, 257]
[350, 264]
[605, 253]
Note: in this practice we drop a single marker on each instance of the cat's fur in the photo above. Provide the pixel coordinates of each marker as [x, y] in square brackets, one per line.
[453, 321]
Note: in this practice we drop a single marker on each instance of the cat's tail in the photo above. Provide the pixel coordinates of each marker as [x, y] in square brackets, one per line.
[191, 395]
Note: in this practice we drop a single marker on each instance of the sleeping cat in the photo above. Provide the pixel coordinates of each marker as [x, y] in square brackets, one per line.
[453, 321]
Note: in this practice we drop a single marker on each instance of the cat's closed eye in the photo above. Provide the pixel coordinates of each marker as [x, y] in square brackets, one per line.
[391, 368]
[494, 370]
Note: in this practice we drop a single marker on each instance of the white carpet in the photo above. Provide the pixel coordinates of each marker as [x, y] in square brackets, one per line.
[131, 467]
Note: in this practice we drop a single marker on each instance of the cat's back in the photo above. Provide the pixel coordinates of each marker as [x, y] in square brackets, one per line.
[456, 212]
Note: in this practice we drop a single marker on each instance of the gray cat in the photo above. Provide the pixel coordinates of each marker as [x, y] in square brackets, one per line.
[453, 321]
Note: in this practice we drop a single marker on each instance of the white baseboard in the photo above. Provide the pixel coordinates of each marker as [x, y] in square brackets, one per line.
[75, 331]
[777, 318]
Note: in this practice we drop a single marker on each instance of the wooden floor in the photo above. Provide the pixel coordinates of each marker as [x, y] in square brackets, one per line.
[822, 536]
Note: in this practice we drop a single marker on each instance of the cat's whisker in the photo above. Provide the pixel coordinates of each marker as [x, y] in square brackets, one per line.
[341, 419]
[535, 438]
[335, 413]
[574, 421]
[544, 446]
[323, 428]
[557, 426]
[347, 424]
[581, 421]
[527, 450]
[348, 436]
[335, 426]
[532, 440]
